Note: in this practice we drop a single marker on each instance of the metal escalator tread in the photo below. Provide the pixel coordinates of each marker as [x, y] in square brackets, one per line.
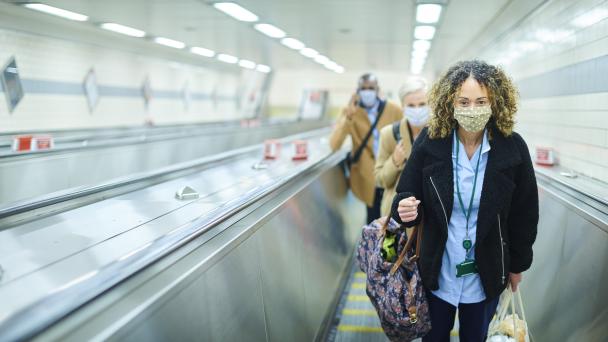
[356, 319]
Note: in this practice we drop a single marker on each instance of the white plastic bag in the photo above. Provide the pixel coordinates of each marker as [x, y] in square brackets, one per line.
[507, 327]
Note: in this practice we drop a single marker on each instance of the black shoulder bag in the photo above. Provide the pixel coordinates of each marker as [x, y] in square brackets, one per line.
[352, 159]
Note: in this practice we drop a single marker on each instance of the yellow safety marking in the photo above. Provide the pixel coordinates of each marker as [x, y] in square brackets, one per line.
[358, 286]
[359, 328]
[359, 312]
[357, 298]
[454, 333]
[359, 275]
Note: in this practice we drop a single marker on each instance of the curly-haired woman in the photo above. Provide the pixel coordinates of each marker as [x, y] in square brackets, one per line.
[473, 177]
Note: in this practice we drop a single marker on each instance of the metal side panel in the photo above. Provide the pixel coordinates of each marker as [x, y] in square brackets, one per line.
[223, 304]
[25, 177]
[564, 290]
[269, 274]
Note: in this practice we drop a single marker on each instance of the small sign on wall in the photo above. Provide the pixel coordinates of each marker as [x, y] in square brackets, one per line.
[186, 97]
[146, 92]
[11, 83]
[91, 91]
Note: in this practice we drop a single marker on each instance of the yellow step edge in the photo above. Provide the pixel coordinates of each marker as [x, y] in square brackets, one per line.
[357, 298]
[359, 312]
[358, 286]
[359, 275]
[360, 328]
[454, 333]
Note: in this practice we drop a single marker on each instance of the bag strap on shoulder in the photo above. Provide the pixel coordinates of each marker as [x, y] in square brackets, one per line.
[359, 151]
[396, 132]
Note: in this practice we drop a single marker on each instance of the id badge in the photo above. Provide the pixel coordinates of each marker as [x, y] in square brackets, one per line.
[466, 268]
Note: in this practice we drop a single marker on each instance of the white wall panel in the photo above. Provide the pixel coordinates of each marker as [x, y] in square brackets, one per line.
[48, 61]
[564, 105]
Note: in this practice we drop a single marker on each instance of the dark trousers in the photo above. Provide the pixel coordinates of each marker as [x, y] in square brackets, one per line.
[374, 211]
[473, 318]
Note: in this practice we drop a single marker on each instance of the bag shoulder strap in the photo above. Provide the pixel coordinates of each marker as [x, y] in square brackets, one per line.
[359, 151]
[409, 130]
[396, 132]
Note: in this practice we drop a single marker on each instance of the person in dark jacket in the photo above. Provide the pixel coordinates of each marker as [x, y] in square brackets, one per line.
[470, 178]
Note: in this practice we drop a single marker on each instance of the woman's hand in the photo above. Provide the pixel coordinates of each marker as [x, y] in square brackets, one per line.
[408, 209]
[514, 280]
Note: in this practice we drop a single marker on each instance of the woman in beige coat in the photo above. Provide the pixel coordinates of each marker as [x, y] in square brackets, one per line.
[396, 140]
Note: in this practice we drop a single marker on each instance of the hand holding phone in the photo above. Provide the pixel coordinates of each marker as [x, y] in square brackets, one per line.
[352, 106]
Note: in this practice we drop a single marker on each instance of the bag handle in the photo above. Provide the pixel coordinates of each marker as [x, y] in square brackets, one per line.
[417, 233]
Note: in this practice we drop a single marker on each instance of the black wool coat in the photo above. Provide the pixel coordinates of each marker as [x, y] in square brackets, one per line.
[508, 209]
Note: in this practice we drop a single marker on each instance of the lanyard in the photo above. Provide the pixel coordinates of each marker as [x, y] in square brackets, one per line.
[467, 244]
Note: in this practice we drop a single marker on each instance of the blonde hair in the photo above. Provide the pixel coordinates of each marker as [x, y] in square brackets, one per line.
[412, 85]
[502, 93]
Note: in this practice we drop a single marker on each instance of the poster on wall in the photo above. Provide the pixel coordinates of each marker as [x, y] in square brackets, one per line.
[313, 104]
[91, 91]
[251, 93]
[11, 83]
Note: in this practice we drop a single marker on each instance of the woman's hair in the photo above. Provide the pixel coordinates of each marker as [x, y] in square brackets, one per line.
[412, 85]
[502, 95]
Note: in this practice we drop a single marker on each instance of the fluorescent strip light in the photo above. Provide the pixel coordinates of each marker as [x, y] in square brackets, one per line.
[202, 51]
[321, 59]
[428, 13]
[126, 30]
[227, 58]
[331, 65]
[418, 60]
[263, 68]
[424, 32]
[270, 30]
[423, 45]
[170, 42]
[308, 52]
[419, 54]
[339, 69]
[57, 11]
[236, 11]
[246, 64]
[416, 70]
[591, 18]
[292, 43]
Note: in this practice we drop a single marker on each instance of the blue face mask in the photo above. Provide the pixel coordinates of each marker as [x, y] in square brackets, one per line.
[368, 97]
[417, 116]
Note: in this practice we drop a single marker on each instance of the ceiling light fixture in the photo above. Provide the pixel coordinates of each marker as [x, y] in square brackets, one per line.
[308, 52]
[126, 30]
[321, 59]
[236, 11]
[57, 11]
[202, 51]
[425, 32]
[246, 64]
[176, 44]
[419, 53]
[227, 58]
[422, 45]
[292, 43]
[263, 68]
[428, 13]
[270, 30]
